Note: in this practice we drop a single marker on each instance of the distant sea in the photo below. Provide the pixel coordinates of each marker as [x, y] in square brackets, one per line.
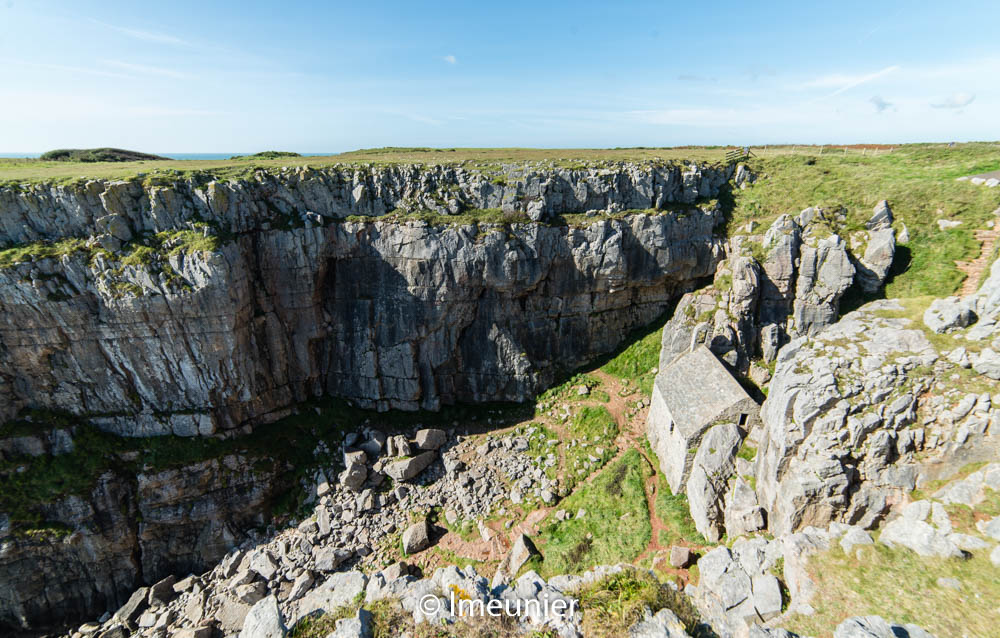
[179, 156]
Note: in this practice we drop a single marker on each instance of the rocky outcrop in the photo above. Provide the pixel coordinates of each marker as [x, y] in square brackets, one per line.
[781, 285]
[265, 199]
[861, 413]
[386, 315]
[127, 530]
[877, 627]
[711, 470]
[134, 529]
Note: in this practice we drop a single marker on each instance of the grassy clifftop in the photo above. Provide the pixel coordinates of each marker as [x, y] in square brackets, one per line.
[919, 180]
[90, 155]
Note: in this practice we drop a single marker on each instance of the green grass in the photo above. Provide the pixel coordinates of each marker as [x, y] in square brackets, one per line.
[672, 509]
[638, 360]
[747, 452]
[40, 250]
[595, 426]
[138, 253]
[96, 155]
[28, 170]
[615, 528]
[615, 603]
[288, 442]
[918, 180]
[902, 587]
[388, 618]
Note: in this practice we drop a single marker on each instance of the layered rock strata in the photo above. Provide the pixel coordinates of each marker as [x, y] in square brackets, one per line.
[194, 309]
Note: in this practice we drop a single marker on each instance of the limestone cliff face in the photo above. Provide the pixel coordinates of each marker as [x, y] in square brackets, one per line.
[266, 199]
[199, 307]
[127, 531]
[866, 410]
[387, 315]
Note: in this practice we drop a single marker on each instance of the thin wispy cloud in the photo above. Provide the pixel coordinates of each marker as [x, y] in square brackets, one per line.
[955, 101]
[68, 69]
[847, 82]
[880, 104]
[688, 77]
[145, 36]
[146, 70]
[423, 119]
[155, 111]
[450, 59]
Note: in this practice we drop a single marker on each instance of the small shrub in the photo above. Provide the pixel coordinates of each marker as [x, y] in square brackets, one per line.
[612, 605]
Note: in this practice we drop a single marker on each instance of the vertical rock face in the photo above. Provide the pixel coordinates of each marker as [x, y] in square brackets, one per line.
[787, 283]
[387, 315]
[129, 530]
[834, 422]
[710, 473]
[195, 307]
[71, 577]
[266, 199]
[825, 274]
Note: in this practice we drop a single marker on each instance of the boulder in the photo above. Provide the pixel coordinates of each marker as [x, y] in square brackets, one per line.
[873, 266]
[710, 472]
[881, 218]
[770, 341]
[263, 564]
[329, 558]
[355, 456]
[950, 313]
[853, 537]
[990, 528]
[519, 553]
[337, 591]
[406, 469]
[877, 627]
[910, 530]
[231, 614]
[430, 439]
[303, 582]
[354, 476]
[250, 593]
[373, 446]
[401, 446]
[264, 620]
[743, 512]
[766, 596]
[358, 626]
[417, 537]
[987, 363]
[137, 603]
[681, 557]
[162, 592]
[664, 624]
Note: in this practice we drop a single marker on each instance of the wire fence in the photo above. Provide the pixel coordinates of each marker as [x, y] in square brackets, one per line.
[852, 149]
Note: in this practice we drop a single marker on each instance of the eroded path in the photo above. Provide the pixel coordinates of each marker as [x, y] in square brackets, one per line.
[974, 269]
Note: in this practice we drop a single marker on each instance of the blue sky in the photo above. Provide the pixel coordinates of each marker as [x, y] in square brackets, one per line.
[317, 76]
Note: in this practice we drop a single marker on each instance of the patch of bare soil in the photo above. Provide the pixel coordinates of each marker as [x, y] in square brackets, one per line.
[974, 269]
